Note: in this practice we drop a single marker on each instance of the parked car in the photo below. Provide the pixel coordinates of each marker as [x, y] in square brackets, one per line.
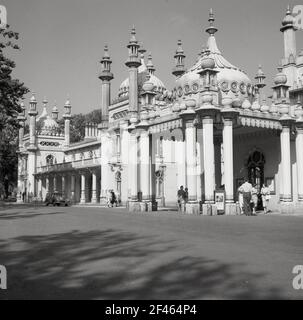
[56, 199]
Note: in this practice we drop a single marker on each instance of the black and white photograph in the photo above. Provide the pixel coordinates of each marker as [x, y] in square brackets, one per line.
[151, 151]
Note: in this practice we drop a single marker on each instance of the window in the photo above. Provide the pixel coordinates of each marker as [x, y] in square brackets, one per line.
[50, 160]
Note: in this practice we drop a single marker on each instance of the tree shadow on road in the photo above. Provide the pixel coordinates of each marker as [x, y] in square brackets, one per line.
[113, 264]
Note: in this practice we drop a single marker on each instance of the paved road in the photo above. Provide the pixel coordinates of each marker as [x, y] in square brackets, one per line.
[94, 253]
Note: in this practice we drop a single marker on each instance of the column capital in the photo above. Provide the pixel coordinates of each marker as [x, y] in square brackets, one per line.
[229, 114]
[287, 121]
[207, 112]
[299, 125]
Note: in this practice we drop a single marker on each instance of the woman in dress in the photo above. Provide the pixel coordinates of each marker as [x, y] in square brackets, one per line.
[265, 193]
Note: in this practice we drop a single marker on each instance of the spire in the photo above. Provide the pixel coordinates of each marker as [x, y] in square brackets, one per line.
[133, 47]
[260, 77]
[55, 112]
[288, 21]
[179, 69]
[67, 107]
[211, 30]
[106, 61]
[150, 66]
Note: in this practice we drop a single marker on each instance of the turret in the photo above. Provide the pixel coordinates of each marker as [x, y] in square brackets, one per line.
[260, 82]
[105, 76]
[32, 122]
[55, 112]
[150, 66]
[66, 117]
[133, 62]
[179, 68]
[21, 119]
[288, 29]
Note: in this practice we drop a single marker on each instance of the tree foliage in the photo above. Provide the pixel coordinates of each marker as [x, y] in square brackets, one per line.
[11, 92]
[78, 122]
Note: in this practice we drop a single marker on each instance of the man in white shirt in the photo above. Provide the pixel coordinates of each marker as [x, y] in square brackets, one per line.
[247, 188]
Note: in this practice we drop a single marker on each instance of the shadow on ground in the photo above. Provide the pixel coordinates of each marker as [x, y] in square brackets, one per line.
[113, 264]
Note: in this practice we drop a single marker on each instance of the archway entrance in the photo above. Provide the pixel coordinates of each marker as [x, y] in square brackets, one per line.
[255, 167]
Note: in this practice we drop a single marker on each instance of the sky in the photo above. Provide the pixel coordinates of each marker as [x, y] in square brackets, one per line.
[62, 41]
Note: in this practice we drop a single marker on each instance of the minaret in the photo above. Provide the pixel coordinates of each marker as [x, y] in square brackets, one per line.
[32, 148]
[66, 117]
[150, 66]
[179, 68]
[55, 112]
[32, 122]
[290, 49]
[260, 83]
[289, 32]
[21, 119]
[105, 76]
[133, 62]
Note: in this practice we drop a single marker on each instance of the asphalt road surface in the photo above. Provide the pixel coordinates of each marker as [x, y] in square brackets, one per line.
[98, 253]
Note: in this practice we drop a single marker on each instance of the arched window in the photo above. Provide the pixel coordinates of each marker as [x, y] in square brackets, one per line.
[50, 160]
[255, 166]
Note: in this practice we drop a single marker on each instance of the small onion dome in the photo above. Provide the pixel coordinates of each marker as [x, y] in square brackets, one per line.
[256, 106]
[237, 103]
[190, 103]
[207, 62]
[176, 107]
[148, 86]
[273, 108]
[280, 78]
[33, 98]
[55, 109]
[67, 103]
[152, 114]
[246, 104]
[182, 105]
[264, 107]
[288, 19]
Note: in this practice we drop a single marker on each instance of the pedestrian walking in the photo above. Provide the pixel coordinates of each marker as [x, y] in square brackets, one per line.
[181, 199]
[246, 187]
[265, 194]
[240, 199]
[254, 198]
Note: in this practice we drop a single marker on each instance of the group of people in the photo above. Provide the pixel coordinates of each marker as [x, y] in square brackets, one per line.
[182, 197]
[248, 198]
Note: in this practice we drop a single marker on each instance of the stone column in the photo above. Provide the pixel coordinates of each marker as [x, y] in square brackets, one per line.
[299, 156]
[228, 116]
[209, 158]
[39, 188]
[72, 187]
[54, 183]
[94, 187]
[47, 184]
[63, 184]
[192, 207]
[82, 199]
[145, 171]
[286, 195]
[133, 204]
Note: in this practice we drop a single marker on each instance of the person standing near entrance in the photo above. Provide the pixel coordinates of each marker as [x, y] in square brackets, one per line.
[265, 193]
[181, 199]
[247, 188]
[254, 198]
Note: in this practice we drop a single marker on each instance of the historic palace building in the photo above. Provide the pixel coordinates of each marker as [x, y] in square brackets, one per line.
[215, 128]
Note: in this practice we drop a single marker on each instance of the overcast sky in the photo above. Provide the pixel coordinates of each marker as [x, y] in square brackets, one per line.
[62, 40]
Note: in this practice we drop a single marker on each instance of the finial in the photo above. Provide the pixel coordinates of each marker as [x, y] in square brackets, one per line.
[150, 65]
[211, 30]
[33, 98]
[133, 34]
[288, 9]
[142, 50]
